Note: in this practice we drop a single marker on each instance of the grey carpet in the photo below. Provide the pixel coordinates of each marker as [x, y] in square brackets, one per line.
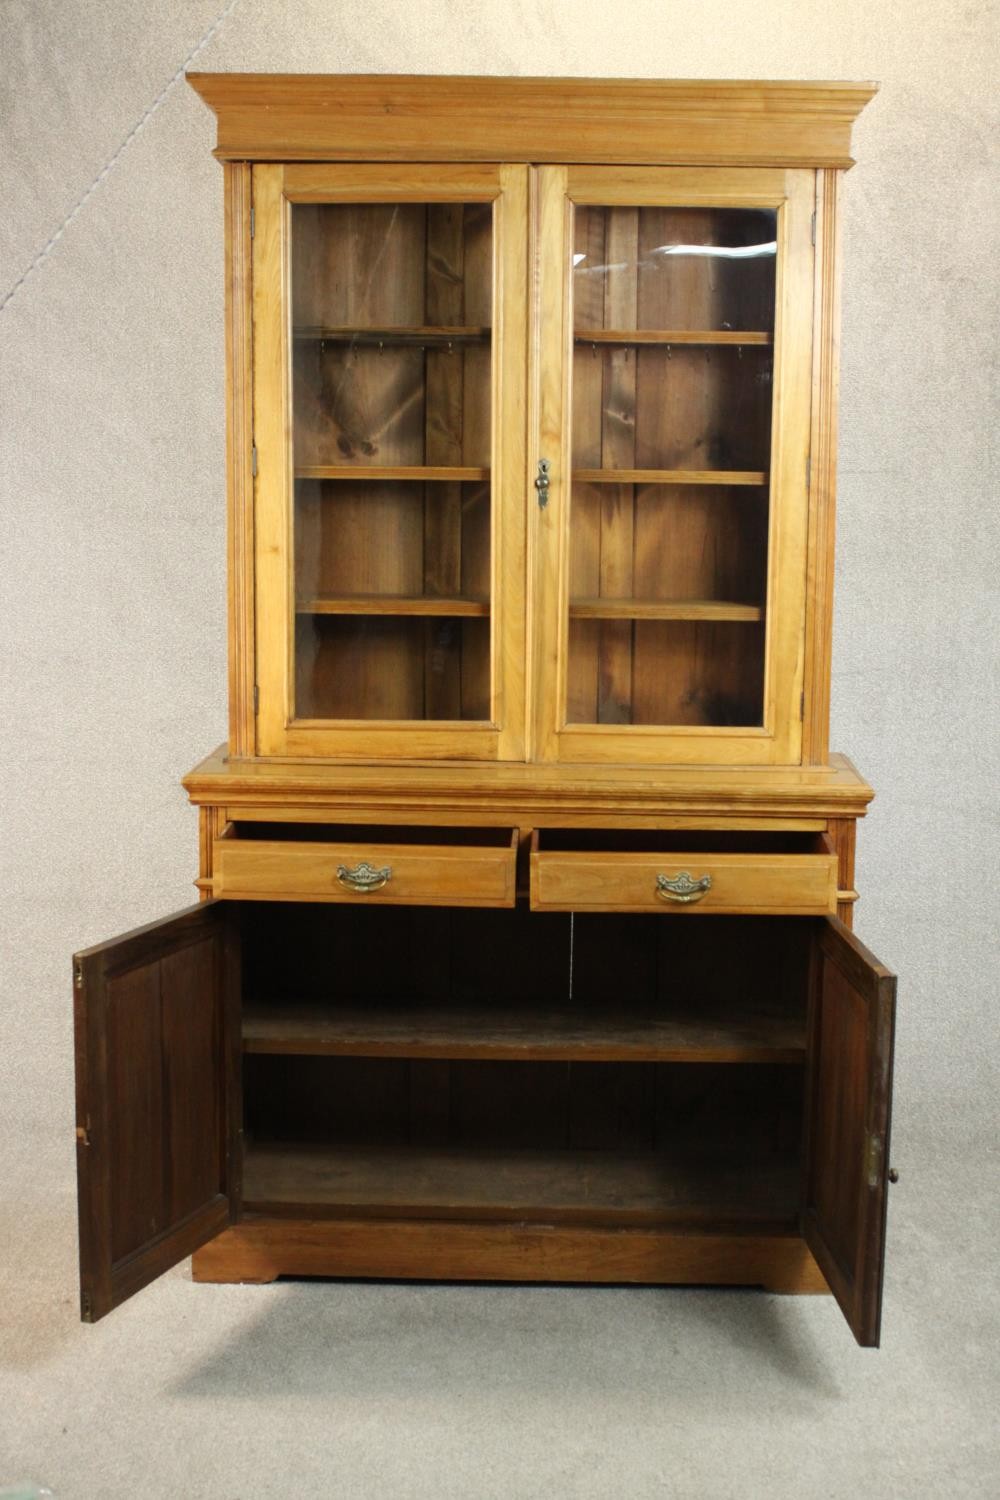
[323, 1389]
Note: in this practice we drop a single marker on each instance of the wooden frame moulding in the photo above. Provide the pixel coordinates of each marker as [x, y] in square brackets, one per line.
[393, 117]
[519, 793]
[822, 472]
[212, 823]
[843, 834]
[239, 451]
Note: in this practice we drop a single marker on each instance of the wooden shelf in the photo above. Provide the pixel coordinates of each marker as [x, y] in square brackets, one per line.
[430, 334]
[662, 609]
[421, 472]
[389, 604]
[696, 1034]
[670, 476]
[685, 1185]
[698, 336]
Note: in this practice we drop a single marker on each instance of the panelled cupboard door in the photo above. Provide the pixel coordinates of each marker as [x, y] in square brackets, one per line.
[668, 547]
[390, 325]
[157, 1099]
[847, 1118]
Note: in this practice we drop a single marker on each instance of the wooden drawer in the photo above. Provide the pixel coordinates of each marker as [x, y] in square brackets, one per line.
[789, 875]
[391, 866]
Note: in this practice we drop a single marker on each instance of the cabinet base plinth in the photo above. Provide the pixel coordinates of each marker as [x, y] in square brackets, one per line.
[260, 1250]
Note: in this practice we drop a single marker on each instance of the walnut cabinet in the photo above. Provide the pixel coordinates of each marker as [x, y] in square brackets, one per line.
[524, 946]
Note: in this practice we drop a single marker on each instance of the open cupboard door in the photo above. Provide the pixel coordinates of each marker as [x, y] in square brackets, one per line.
[848, 1104]
[157, 1112]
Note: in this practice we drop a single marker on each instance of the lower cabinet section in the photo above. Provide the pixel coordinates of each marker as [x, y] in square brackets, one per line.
[485, 1093]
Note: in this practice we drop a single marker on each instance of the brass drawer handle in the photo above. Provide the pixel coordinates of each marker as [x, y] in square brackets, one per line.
[682, 887]
[363, 878]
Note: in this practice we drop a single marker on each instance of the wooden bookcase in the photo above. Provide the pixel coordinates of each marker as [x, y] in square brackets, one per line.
[527, 876]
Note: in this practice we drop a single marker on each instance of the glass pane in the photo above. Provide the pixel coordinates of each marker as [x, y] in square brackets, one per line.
[391, 313]
[673, 321]
[392, 667]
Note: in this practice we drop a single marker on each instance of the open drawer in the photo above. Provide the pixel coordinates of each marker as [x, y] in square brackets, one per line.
[392, 866]
[784, 874]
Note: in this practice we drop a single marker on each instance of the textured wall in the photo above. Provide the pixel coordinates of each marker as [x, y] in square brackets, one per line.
[113, 486]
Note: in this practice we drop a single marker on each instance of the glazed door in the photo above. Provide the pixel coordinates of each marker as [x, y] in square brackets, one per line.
[675, 357]
[157, 1099]
[847, 1118]
[390, 326]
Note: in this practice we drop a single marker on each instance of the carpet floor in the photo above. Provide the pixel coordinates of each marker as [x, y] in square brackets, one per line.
[330, 1389]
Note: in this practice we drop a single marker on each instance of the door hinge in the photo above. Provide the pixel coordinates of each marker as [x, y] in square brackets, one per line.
[802, 704]
[873, 1163]
[78, 974]
[812, 227]
[86, 1307]
[253, 221]
[83, 1134]
[256, 699]
[809, 473]
[253, 461]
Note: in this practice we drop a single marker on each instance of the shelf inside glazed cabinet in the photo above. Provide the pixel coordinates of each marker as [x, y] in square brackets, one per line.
[387, 604]
[426, 473]
[720, 477]
[662, 609]
[669, 336]
[428, 337]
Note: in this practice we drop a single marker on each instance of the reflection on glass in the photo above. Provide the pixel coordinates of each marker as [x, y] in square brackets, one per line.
[392, 345]
[673, 324]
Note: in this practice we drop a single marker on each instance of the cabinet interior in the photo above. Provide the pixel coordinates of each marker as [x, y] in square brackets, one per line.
[492, 1064]
[687, 841]
[392, 349]
[673, 334]
[376, 833]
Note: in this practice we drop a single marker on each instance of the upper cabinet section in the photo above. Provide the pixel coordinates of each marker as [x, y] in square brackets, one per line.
[531, 416]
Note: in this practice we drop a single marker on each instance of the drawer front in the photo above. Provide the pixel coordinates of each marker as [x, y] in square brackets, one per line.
[782, 885]
[391, 874]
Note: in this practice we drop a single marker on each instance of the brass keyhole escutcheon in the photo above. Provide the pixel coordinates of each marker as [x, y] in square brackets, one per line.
[542, 482]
